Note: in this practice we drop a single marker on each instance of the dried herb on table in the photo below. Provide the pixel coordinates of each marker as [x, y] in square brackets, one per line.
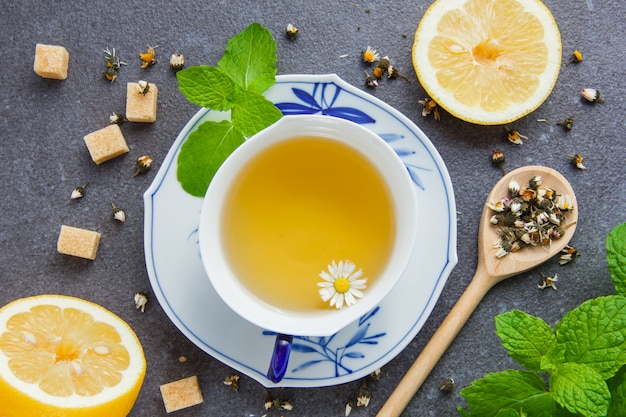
[149, 57]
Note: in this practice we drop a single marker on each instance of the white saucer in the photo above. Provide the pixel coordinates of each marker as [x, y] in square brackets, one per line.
[185, 292]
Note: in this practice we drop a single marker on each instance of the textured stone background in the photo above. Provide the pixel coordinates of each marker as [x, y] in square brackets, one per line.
[42, 154]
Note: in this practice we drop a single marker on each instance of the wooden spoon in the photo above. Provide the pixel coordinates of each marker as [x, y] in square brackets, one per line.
[490, 270]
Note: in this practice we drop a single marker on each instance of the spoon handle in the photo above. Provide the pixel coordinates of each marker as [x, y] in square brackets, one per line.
[436, 347]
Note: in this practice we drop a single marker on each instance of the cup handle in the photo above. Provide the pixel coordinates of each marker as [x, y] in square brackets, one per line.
[280, 357]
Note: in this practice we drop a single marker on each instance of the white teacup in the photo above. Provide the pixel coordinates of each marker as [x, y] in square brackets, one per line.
[300, 158]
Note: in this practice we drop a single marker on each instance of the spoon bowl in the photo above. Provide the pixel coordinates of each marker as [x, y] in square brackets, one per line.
[489, 271]
[496, 269]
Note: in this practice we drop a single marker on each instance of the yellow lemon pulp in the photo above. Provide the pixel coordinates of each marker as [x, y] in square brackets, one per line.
[63, 356]
[487, 61]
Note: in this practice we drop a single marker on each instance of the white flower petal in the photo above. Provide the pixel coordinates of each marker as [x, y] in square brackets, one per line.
[325, 276]
[339, 297]
[350, 300]
[355, 275]
[356, 292]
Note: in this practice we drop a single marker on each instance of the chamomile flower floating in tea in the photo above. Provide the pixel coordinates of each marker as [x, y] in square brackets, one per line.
[342, 283]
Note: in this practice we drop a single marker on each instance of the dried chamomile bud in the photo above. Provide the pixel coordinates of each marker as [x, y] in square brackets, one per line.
[291, 32]
[78, 192]
[141, 299]
[577, 160]
[118, 214]
[592, 95]
[117, 118]
[142, 165]
[177, 61]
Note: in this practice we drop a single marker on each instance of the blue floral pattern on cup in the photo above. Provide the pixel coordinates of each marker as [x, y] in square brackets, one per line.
[329, 349]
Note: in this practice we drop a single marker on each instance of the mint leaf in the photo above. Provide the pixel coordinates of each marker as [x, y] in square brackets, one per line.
[554, 357]
[526, 337]
[246, 70]
[207, 87]
[250, 59]
[616, 256]
[519, 390]
[203, 153]
[580, 389]
[509, 412]
[594, 334]
[253, 113]
[617, 388]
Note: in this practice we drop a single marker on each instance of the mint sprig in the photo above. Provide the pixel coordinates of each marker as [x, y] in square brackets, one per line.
[236, 84]
[584, 357]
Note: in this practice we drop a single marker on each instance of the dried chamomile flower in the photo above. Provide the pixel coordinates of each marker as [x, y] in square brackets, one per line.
[143, 87]
[376, 374]
[370, 80]
[291, 32]
[547, 281]
[117, 118]
[430, 106]
[568, 123]
[113, 63]
[515, 137]
[177, 61]
[283, 405]
[529, 216]
[383, 63]
[378, 72]
[576, 57]
[534, 182]
[592, 95]
[498, 158]
[370, 55]
[110, 74]
[393, 73]
[78, 191]
[363, 395]
[232, 381]
[118, 213]
[141, 299]
[142, 165]
[513, 188]
[112, 60]
[568, 254]
[447, 385]
[148, 57]
[577, 160]
[348, 409]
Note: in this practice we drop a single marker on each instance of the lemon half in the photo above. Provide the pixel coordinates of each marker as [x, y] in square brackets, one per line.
[488, 62]
[64, 356]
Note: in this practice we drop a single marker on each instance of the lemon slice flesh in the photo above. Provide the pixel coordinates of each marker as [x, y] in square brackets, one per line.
[488, 61]
[64, 356]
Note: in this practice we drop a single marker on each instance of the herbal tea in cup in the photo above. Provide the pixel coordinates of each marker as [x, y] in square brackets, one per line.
[308, 225]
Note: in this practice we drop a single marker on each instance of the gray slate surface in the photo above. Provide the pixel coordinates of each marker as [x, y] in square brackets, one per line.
[43, 156]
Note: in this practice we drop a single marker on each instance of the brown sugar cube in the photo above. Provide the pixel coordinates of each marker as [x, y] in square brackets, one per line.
[51, 61]
[141, 107]
[78, 242]
[181, 394]
[105, 144]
